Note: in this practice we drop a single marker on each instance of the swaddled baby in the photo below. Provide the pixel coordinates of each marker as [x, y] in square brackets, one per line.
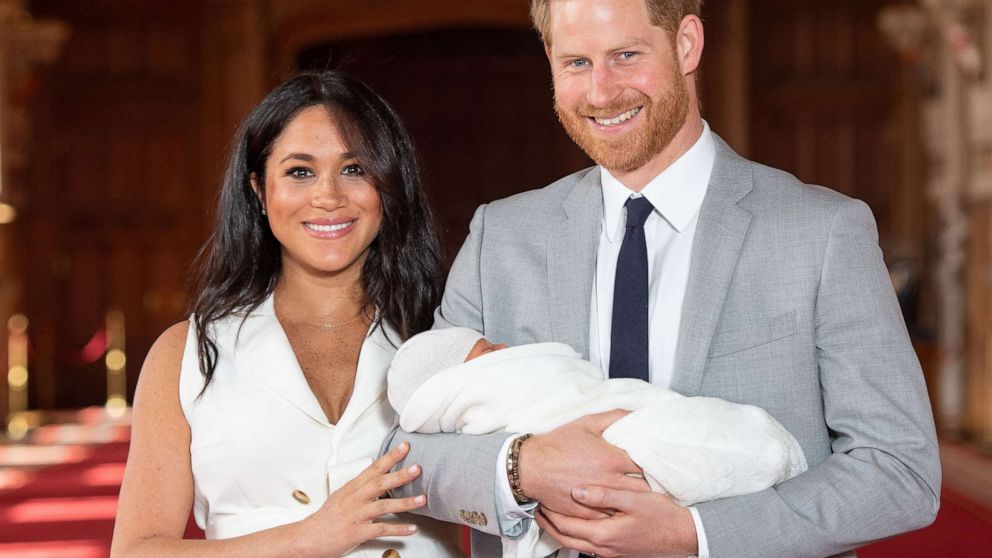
[693, 448]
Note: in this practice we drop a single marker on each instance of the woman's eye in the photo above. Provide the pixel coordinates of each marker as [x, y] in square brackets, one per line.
[353, 170]
[299, 173]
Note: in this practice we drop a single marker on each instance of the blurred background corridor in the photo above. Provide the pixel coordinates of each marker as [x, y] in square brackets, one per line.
[115, 118]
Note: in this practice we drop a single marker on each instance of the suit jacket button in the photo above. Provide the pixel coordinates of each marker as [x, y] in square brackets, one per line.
[391, 553]
[301, 497]
[473, 517]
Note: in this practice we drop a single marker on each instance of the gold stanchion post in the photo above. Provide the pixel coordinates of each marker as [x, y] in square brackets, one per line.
[116, 361]
[17, 376]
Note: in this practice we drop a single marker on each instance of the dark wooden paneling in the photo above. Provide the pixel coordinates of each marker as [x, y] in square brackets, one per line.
[824, 99]
[114, 211]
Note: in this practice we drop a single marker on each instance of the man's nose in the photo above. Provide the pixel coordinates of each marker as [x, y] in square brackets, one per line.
[603, 87]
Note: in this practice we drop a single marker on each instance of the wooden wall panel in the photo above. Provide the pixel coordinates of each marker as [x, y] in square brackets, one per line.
[724, 74]
[116, 205]
[825, 107]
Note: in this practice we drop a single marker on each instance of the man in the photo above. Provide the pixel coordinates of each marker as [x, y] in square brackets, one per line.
[678, 261]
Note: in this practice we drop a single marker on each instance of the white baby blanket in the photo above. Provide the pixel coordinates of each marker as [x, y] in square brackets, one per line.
[693, 448]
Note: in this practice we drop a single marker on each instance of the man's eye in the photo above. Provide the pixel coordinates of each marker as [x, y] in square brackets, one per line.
[353, 170]
[580, 63]
[299, 173]
[627, 55]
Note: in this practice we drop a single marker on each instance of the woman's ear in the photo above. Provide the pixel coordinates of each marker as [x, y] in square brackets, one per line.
[253, 180]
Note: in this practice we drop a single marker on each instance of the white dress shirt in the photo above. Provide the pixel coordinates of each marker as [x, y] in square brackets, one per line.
[677, 195]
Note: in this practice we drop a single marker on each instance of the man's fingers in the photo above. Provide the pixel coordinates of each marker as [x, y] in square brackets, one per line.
[599, 422]
[602, 497]
[632, 484]
[572, 526]
[577, 510]
[564, 538]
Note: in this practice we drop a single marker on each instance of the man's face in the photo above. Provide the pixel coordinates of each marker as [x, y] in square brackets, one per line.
[620, 91]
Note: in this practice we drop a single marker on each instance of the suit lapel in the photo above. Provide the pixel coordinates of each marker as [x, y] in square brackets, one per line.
[572, 243]
[720, 233]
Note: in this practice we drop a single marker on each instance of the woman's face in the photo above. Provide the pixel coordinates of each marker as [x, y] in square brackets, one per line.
[322, 207]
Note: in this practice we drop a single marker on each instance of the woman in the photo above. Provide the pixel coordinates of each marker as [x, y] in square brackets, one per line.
[265, 410]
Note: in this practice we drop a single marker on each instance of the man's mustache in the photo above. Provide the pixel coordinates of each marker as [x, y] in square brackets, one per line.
[615, 108]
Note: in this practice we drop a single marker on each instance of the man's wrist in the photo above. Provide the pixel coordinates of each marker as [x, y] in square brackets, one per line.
[513, 518]
[689, 538]
[513, 469]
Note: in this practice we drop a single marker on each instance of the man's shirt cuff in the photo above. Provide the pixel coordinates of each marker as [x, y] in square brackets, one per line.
[512, 517]
[704, 549]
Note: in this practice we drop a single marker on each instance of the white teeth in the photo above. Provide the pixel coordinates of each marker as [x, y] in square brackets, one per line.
[328, 228]
[618, 119]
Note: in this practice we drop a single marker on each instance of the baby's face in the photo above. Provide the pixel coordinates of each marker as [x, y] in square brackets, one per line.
[483, 346]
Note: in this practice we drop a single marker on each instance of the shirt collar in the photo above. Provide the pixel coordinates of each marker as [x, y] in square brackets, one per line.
[676, 194]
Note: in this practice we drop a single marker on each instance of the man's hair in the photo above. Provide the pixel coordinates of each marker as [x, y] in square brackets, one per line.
[667, 14]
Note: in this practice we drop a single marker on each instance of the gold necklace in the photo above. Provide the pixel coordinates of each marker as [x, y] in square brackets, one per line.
[328, 326]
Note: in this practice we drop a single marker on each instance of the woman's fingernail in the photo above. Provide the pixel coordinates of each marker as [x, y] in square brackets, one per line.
[413, 469]
[581, 493]
[420, 499]
[404, 446]
[411, 528]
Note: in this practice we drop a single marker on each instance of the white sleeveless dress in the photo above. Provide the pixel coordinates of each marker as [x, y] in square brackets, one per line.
[263, 453]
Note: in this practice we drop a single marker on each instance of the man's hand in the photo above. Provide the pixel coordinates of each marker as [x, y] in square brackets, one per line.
[573, 455]
[644, 524]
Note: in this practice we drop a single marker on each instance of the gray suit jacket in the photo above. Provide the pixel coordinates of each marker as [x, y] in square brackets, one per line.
[789, 307]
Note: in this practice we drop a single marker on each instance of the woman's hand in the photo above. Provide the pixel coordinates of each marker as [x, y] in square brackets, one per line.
[348, 517]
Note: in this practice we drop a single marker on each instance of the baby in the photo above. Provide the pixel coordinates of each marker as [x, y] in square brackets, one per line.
[692, 448]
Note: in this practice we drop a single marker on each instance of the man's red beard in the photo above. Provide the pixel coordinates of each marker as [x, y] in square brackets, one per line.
[631, 150]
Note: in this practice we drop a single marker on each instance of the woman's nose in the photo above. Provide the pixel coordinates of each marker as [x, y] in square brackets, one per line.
[328, 195]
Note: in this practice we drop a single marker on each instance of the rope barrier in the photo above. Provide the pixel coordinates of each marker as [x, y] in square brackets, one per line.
[107, 342]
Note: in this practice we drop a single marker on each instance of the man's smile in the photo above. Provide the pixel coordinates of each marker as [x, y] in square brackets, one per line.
[619, 119]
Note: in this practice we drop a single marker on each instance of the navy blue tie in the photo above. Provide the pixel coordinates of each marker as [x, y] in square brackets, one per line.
[629, 332]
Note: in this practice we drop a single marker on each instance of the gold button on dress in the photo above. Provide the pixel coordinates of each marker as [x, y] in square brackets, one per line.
[301, 497]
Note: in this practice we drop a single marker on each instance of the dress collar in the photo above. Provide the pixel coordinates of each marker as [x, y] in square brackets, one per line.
[260, 347]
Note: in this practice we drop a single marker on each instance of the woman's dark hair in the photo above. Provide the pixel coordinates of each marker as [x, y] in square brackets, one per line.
[239, 266]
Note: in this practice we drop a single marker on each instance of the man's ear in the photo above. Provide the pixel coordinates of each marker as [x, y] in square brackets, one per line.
[689, 43]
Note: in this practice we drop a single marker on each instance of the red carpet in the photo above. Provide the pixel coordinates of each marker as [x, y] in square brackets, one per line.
[58, 500]
[963, 529]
